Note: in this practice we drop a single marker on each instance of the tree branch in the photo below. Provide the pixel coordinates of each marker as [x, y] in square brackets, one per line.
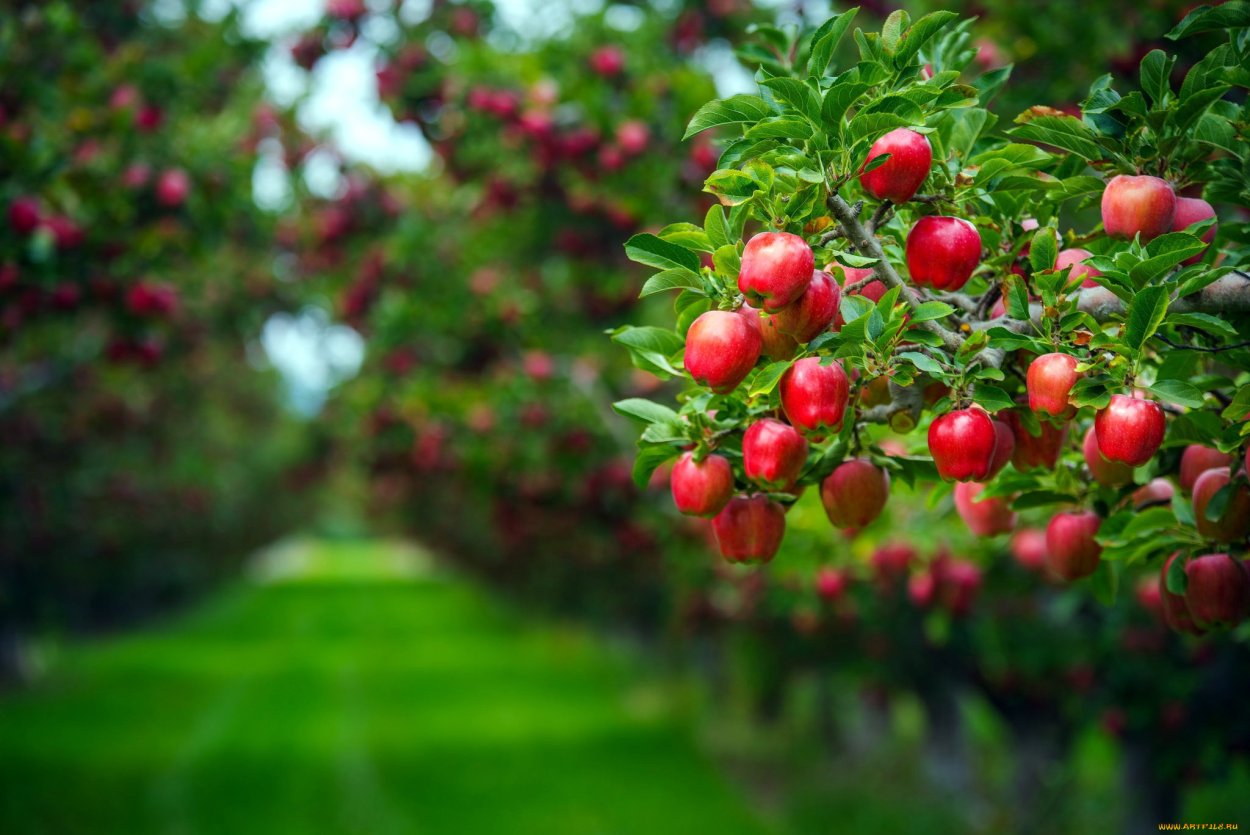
[1230, 294]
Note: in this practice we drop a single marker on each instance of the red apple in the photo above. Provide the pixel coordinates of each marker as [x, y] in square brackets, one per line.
[830, 583]
[776, 268]
[776, 345]
[814, 311]
[721, 349]
[1107, 473]
[873, 290]
[1004, 448]
[898, 178]
[1071, 550]
[633, 136]
[962, 444]
[701, 488]
[1155, 491]
[1175, 609]
[1137, 205]
[814, 396]
[1217, 591]
[749, 529]
[1191, 210]
[891, 562]
[25, 215]
[1075, 258]
[987, 517]
[1196, 460]
[1130, 429]
[607, 60]
[1234, 524]
[855, 493]
[1050, 381]
[172, 187]
[1028, 546]
[943, 252]
[773, 454]
[1034, 452]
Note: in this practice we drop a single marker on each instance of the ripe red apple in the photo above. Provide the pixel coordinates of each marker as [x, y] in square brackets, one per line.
[1107, 473]
[1155, 491]
[701, 488]
[773, 454]
[776, 268]
[898, 178]
[831, 583]
[172, 187]
[1138, 205]
[987, 517]
[1071, 551]
[1217, 591]
[943, 252]
[814, 396]
[1028, 546]
[814, 311]
[855, 493]
[1191, 210]
[749, 529]
[633, 136]
[1130, 429]
[891, 562]
[873, 290]
[1075, 258]
[1234, 524]
[1034, 452]
[776, 345]
[607, 60]
[962, 444]
[1175, 609]
[1050, 381]
[25, 215]
[721, 349]
[1196, 460]
[958, 584]
[1004, 448]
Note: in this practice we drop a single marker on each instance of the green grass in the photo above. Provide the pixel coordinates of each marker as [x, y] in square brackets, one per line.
[355, 697]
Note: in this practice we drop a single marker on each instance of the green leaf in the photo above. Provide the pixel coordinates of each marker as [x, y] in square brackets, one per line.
[688, 235]
[732, 187]
[1044, 249]
[1018, 299]
[1058, 130]
[826, 40]
[655, 252]
[920, 33]
[1106, 582]
[1164, 253]
[733, 110]
[644, 410]
[767, 378]
[786, 128]
[930, 310]
[650, 457]
[924, 362]
[1178, 392]
[796, 95]
[837, 101]
[1155, 69]
[1040, 498]
[1203, 321]
[650, 347]
[1177, 580]
[1145, 315]
[680, 279]
[1219, 18]
[1219, 503]
[992, 398]
[717, 228]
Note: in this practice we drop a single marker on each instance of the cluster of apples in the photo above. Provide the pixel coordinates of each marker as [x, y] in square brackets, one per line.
[944, 582]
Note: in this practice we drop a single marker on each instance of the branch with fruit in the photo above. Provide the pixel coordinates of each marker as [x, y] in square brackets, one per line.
[882, 253]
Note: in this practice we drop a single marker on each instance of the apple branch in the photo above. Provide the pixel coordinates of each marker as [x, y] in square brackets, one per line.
[1230, 294]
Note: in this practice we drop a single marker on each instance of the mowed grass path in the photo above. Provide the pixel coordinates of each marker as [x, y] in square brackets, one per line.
[351, 699]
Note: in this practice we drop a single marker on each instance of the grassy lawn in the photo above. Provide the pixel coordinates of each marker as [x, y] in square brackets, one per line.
[352, 696]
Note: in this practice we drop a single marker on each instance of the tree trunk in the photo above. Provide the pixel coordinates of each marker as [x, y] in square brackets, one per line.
[1149, 799]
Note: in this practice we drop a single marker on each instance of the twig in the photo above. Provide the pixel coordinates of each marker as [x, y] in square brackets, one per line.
[1202, 348]
[880, 216]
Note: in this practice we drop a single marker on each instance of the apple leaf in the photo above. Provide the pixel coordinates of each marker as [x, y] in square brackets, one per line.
[655, 252]
[924, 363]
[644, 410]
[1106, 582]
[1234, 15]
[1178, 392]
[767, 378]
[717, 227]
[1058, 130]
[651, 456]
[687, 235]
[1040, 498]
[920, 33]
[1239, 409]
[733, 110]
[992, 398]
[679, 279]
[1043, 250]
[1177, 580]
[1162, 254]
[930, 310]
[1203, 321]
[1146, 314]
[826, 40]
[1218, 504]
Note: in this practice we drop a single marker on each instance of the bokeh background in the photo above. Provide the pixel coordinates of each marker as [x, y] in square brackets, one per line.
[314, 515]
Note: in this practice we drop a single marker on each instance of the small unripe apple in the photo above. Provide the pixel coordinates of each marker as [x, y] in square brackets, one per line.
[721, 349]
[1049, 382]
[1217, 591]
[987, 517]
[1196, 460]
[830, 583]
[814, 311]
[1107, 473]
[1130, 430]
[962, 444]
[776, 268]
[899, 177]
[701, 488]
[1137, 205]
[1175, 609]
[855, 493]
[749, 529]
[773, 454]
[814, 396]
[1036, 452]
[1075, 258]
[1071, 550]
[1004, 448]
[1191, 210]
[1234, 524]
[943, 252]
[1028, 546]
